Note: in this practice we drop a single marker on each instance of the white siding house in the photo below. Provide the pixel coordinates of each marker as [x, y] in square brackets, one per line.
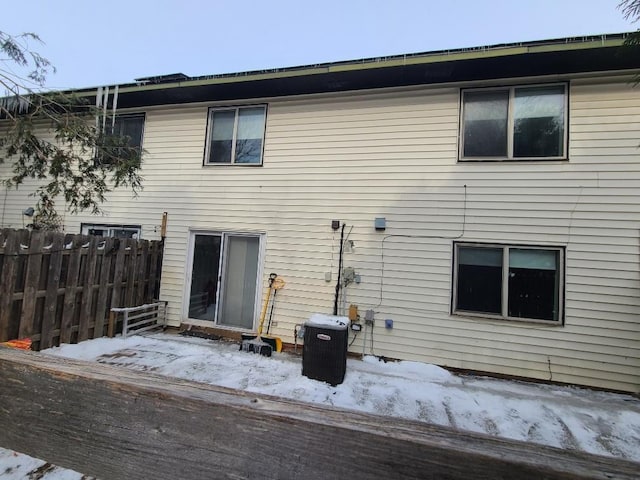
[512, 244]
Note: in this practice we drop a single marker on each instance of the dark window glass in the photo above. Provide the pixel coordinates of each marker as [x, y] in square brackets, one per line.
[204, 277]
[122, 139]
[124, 233]
[485, 123]
[533, 284]
[130, 127]
[538, 125]
[479, 279]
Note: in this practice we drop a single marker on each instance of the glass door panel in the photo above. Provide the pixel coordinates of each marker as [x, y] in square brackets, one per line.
[204, 277]
[240, 272]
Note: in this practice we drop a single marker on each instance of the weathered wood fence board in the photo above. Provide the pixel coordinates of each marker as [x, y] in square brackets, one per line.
[51, 293]
[87, 286]
[31, 281]
[120, 424]
[70, 293]
[7, 280]
[103, 289]
[57, 288]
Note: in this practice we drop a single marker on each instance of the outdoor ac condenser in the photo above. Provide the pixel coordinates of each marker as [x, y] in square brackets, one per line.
[324, 354]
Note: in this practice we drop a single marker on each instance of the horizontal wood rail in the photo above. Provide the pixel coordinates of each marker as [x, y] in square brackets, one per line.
[121, 424]
[136, 320]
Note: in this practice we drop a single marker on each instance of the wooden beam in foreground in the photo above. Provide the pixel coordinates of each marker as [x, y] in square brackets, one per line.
[119, 424]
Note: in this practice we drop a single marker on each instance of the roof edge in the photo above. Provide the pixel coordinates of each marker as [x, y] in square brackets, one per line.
[470, 53]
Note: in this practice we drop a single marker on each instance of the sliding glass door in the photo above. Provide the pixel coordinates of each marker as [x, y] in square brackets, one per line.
[224, 278]
[238, 293]
[205, 273]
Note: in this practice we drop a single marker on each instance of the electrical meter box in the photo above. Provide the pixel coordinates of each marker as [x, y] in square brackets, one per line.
[324, 354]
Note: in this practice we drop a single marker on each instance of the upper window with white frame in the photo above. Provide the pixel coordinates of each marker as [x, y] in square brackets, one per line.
[514, 123]
[509, 282]
[128, 126]
[235, 135]
[122, 138]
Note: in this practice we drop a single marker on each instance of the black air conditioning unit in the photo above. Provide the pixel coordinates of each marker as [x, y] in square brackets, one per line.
[324, 354]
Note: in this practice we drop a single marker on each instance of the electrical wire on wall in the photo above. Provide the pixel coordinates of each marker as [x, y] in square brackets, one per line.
[335, 300]
[340, 301]
[345, 281]
[371, 349]
[340, 293]
[441, 237]
[333, 242]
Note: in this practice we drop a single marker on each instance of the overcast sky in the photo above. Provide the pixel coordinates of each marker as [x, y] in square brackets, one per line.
[102, 43]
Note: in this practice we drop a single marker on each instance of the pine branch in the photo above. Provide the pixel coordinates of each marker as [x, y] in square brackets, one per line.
[79, 162]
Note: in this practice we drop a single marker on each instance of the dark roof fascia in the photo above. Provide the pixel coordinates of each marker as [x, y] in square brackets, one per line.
[512, 63]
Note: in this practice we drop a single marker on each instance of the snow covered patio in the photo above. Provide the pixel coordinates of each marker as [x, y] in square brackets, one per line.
[566, 417]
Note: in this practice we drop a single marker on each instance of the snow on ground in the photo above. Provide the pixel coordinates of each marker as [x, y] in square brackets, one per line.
[17, 466]
[566, 417]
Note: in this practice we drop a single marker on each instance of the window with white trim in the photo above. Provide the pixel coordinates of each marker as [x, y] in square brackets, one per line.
[109, 230]
[128, 126]
[514, 123]
[235, 135]
[122, 138]
[509, 282]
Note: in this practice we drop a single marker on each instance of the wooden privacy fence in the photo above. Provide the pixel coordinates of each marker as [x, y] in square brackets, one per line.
[59, 288]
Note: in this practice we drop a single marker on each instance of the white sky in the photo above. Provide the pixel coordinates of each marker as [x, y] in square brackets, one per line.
[102, 43]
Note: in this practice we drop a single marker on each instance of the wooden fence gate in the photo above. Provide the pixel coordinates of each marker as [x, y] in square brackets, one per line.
[58, 288]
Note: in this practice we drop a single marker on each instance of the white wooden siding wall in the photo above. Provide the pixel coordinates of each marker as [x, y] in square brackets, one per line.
[13, 202]
[354, 158]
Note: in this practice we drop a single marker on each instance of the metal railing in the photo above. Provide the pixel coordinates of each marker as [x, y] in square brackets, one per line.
[139, 319]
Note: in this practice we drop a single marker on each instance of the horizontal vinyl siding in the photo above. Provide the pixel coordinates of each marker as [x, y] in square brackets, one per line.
[394, 155]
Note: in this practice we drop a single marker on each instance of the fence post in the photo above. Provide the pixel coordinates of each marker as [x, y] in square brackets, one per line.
[111, 329]
[154, 253]
[125, 324]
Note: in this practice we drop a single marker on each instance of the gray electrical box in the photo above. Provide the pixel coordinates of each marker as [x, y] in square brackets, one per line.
[348, 274]
[380, 223]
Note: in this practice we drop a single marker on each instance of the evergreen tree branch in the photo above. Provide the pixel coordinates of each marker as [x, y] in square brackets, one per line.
[52, 137]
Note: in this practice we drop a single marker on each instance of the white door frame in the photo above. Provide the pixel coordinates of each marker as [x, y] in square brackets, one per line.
[189, 271]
